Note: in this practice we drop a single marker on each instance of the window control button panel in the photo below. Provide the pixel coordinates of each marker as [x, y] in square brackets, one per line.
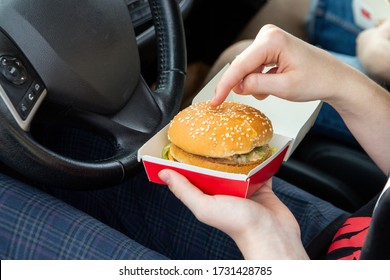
[21, 89]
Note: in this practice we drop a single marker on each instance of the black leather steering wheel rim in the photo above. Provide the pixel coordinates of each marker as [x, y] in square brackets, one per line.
[21, 152]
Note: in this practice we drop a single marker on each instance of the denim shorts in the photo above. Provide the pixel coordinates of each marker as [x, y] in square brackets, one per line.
[330, 25]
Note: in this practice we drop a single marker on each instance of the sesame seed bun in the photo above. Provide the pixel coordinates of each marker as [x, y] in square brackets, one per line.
[219, 134]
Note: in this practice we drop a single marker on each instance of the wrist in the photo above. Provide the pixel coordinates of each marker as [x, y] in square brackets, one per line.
[352, 90]
[271, 244]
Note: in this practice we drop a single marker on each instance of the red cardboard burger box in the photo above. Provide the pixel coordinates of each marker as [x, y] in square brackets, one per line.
[291, 121]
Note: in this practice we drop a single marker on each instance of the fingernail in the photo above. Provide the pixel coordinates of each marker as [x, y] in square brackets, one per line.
[213, 98]
[164, 176]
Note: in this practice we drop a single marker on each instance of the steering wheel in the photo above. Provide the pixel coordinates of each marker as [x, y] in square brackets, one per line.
[83, 56]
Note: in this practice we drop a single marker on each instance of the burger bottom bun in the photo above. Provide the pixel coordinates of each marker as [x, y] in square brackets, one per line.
[211, 163]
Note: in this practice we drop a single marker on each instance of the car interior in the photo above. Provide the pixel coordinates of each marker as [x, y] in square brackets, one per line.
[117, 71]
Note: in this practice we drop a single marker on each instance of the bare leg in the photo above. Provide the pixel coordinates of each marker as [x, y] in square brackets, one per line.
[289, 15]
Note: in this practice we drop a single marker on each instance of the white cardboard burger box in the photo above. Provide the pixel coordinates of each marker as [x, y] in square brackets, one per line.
[291, 121]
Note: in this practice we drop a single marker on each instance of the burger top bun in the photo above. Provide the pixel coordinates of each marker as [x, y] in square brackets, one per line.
[231, 128]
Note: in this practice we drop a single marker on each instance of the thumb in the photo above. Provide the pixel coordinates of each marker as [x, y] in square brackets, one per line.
[186, 192]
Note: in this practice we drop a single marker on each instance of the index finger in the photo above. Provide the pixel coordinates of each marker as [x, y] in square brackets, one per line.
[253, 58]
[229, 80]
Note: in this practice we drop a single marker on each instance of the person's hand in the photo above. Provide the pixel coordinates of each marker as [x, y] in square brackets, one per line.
[262, 226]
[373, 51]
[303, 72]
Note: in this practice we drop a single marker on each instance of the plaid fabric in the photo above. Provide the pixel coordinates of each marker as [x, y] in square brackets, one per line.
[35, 225]
[313, 214]
[151, 215]
[113, 222]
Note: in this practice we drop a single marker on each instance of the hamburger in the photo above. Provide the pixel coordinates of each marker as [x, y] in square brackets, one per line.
[231, 137]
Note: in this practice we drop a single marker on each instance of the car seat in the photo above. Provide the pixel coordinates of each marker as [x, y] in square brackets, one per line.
[336, 172]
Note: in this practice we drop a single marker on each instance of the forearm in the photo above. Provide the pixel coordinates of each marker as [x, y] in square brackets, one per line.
[365, 108]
